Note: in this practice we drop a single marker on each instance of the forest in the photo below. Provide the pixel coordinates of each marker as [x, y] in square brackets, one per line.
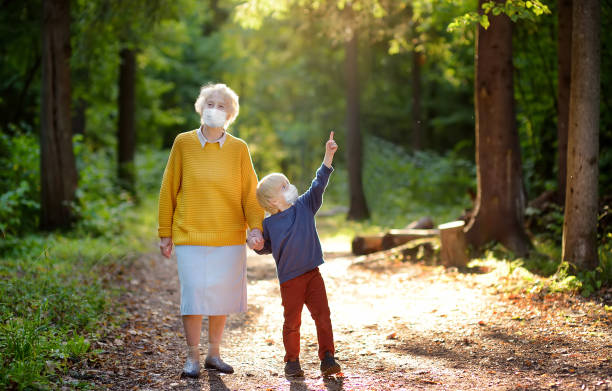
[494, 113]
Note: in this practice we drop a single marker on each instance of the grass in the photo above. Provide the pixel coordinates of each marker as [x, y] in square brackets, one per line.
[56, 296]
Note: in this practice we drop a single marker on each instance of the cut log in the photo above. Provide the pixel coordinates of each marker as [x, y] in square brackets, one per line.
[453, 246]
[363, 245]
[397, 237]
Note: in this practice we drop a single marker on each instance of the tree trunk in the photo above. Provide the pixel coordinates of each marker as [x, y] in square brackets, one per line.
[126, 134]
[417, 126]
[580, 221]
[564, 61]
[500, 201]
[219, 16]
[58, 173]
[358, 209]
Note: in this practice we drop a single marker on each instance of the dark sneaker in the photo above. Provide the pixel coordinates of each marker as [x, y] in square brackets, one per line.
[329, 366]
[293, 369]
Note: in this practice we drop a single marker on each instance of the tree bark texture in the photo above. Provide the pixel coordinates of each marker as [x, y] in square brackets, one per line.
[564, 66]
[580, 222]
[500, 200]
[417, 126]
[126, 133]
[358, 208]
[58, 173]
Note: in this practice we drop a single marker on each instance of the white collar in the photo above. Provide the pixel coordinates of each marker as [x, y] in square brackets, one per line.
[203, 139]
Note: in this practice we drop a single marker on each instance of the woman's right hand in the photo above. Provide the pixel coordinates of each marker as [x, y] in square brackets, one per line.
[165, 246]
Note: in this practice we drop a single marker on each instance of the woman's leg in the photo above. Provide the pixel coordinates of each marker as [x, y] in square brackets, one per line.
[193, 328]
[216, 324]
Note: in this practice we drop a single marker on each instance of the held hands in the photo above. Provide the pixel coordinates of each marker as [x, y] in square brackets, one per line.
[165, 246]
[255, 239]
[330, 149]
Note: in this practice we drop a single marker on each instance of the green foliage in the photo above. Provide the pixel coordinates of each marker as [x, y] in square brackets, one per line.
[19, 184]
[401, 187]
[100, 204]
[515, 9]
[50, 302]
[57, 294]
[587, 282]
[20, 64]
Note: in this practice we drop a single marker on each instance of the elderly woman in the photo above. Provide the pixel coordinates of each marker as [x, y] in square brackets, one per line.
[206, 202]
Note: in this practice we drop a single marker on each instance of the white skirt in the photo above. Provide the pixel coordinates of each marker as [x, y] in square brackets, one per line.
[213, 279]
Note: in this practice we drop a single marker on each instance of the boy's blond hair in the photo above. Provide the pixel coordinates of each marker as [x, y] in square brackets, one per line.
[267, 189]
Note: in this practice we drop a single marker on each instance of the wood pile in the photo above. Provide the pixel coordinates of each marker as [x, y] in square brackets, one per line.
[453, 250]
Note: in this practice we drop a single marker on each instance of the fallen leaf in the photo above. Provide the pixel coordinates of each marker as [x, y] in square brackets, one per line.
[392, 336]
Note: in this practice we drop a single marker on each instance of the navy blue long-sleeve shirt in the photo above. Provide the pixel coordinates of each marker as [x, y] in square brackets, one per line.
[291, 235]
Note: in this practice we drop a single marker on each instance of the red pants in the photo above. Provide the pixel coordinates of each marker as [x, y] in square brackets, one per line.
[308, 289]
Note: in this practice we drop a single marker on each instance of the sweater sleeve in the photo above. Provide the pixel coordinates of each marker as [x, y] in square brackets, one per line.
[170, 186]
[313, 198]
[253, 212]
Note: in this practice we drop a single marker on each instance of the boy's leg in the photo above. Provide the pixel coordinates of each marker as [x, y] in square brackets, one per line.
[292, 294]
[316, 301]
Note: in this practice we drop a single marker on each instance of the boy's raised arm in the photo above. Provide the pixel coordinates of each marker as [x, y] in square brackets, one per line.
[314, 196]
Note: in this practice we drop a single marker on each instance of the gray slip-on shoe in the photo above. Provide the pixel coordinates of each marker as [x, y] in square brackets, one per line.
[191, 369]
[218, 364]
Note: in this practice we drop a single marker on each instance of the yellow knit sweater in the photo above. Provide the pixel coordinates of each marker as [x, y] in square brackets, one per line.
[207, 195]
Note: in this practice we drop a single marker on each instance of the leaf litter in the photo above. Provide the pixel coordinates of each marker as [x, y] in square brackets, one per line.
[484, 340]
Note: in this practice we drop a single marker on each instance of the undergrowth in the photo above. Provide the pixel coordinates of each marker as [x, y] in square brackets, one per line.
[56, 289]
[543, 271]
[56, 296]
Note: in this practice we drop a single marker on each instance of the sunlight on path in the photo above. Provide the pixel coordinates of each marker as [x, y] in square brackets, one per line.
[397, 326]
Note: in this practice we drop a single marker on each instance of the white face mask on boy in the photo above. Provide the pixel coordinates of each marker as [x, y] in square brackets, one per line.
[214, 118]
[291, 194]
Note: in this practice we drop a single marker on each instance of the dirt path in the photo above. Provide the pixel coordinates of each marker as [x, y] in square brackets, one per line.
[397, 327]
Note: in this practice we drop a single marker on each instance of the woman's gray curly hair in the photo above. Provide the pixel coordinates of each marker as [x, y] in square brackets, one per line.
[211, 88]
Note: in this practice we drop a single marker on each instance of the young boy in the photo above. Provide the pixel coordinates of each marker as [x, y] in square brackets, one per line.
[290, 234]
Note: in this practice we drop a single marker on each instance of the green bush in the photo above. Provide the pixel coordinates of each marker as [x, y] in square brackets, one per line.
[401, 186]
[19, 184]
[54, 291]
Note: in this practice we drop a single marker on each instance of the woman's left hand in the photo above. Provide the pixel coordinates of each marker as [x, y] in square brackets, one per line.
[255, 239]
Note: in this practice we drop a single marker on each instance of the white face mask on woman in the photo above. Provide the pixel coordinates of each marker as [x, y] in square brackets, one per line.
[214, 118]
[291, 194]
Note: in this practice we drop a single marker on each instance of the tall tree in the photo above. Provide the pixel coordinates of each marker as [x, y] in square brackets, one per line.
[580, 220]
[57, 163]
[417, 126]
[500, 200]
[358, 208]
[342, 22]
[126, 132]
[564, 64]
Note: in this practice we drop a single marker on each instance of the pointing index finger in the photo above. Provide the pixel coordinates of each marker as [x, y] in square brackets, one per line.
[331, 135]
